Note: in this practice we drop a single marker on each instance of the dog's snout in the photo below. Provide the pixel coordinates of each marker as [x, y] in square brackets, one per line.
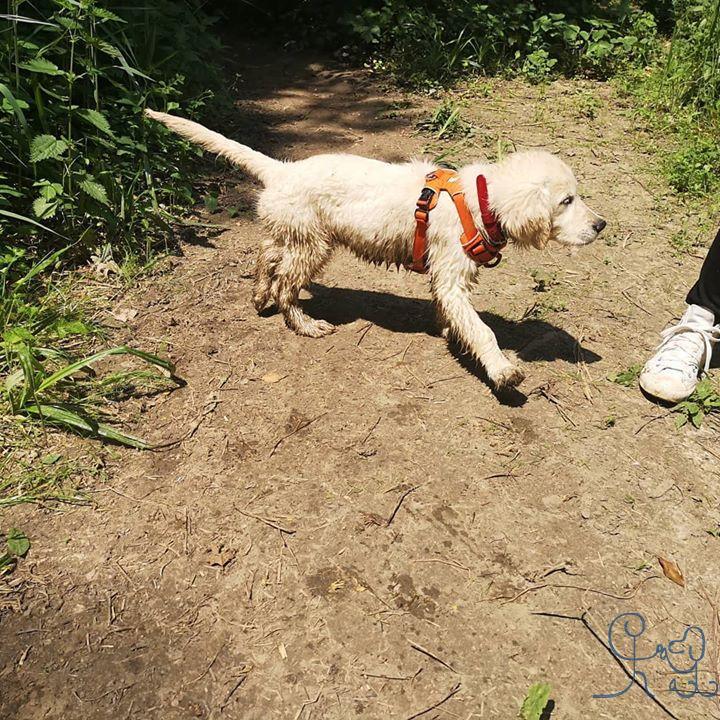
[599, 225]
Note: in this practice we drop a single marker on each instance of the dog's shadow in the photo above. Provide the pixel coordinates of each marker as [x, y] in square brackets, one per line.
[532, 339]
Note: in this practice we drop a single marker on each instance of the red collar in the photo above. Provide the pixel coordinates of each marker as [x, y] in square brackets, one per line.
[493, 228]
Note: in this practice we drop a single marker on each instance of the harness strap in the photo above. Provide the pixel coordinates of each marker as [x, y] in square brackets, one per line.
[482, 251]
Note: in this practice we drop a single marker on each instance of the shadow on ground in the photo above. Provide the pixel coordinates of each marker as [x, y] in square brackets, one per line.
[532, 339]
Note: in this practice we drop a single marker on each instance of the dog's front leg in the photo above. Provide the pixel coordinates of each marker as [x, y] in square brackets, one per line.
[459, 317]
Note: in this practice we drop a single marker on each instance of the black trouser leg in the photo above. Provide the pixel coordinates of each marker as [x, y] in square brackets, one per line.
[706, 291]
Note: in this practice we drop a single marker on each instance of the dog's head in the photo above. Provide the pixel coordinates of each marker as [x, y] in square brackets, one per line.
[535, 197]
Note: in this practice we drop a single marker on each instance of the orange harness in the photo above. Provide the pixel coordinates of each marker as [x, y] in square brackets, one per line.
[483, 251]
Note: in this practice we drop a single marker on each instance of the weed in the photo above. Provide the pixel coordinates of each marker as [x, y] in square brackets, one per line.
[42, 480]
[446, 122]
[16, 546]
[535, 702]
[587, 105]
[683, 243]
[694, 168]
[627, 378]
[704, 401]
[544, 280]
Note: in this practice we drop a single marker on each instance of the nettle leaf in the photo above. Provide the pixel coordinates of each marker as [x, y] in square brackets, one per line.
[95, 190]
[96, 118]
[44, 208]
[17, 542]
[41, 65]
[46, 147]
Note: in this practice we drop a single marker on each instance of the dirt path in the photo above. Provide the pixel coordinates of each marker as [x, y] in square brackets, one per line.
[356, 526]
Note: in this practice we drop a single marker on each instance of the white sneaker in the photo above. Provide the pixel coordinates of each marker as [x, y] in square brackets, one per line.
[673, 372]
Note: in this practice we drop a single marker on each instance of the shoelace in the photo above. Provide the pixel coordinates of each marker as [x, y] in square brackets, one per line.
[709, 337]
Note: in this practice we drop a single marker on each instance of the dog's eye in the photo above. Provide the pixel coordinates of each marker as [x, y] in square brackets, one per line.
[568, 200]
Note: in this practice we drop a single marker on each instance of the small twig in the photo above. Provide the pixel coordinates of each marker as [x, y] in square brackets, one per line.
[267, 521]
[399, 503]
[234, 689]
[431, 655]
[625, 294]
[392, 677]
[306, 703]
[371, 430]
[363, 333]
[534, 588]
[300, 427]
[651, 420]
[454, 691]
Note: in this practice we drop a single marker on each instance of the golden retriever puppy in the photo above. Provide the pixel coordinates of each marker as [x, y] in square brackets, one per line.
[312, 206]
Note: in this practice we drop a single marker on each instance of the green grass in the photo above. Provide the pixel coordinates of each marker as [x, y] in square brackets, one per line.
[47, 479]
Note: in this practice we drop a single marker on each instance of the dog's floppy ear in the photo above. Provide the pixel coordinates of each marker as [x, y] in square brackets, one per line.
[526, 216]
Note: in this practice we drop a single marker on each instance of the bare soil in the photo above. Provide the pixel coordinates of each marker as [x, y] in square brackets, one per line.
[356, 526]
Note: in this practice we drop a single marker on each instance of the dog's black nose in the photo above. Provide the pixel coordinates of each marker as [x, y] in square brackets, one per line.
[599, 225]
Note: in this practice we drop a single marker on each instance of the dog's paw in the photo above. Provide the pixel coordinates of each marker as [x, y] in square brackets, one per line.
[508, 377]
[316, 328]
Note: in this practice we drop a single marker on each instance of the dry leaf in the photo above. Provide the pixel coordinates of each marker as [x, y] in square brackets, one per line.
[220, 556]
[273, 377]
[125, 315]
[672, 571]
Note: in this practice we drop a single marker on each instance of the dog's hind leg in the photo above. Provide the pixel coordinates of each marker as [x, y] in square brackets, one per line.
[452, 296]
[265, 287]
[300, 263]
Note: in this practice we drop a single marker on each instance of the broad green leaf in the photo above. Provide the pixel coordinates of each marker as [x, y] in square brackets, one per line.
[46, 147]
[64, 327]
[97, 119]
[69, 370]
[535, 701]
[95, 190]
[44, 208]
[41, 65]
[72, 418]
[17, 542]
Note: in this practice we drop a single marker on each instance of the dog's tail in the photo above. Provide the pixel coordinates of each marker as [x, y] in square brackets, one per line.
[262, 166]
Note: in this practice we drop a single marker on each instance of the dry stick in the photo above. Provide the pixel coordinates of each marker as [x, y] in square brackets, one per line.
[627, 596]
[399, 503]
[300, 427]
[454, 691]
[371, 430]
[233, 690]
[651, 420]
[392, 677]
[592, 631]
[307, 702]
[271, 523]
[431, 655]
[633, 302]
[364, 332]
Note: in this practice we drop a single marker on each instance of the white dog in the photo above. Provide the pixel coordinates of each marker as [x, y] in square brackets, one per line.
[314, 205]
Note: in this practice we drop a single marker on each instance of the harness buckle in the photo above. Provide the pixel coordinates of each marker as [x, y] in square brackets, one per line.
[425, 198]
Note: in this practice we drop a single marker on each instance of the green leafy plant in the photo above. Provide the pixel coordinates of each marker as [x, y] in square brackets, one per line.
[702, 402]
[446, 122]
[43, 380]
[627, 378]
[77, 157]
[536, 701]
[16, 546]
